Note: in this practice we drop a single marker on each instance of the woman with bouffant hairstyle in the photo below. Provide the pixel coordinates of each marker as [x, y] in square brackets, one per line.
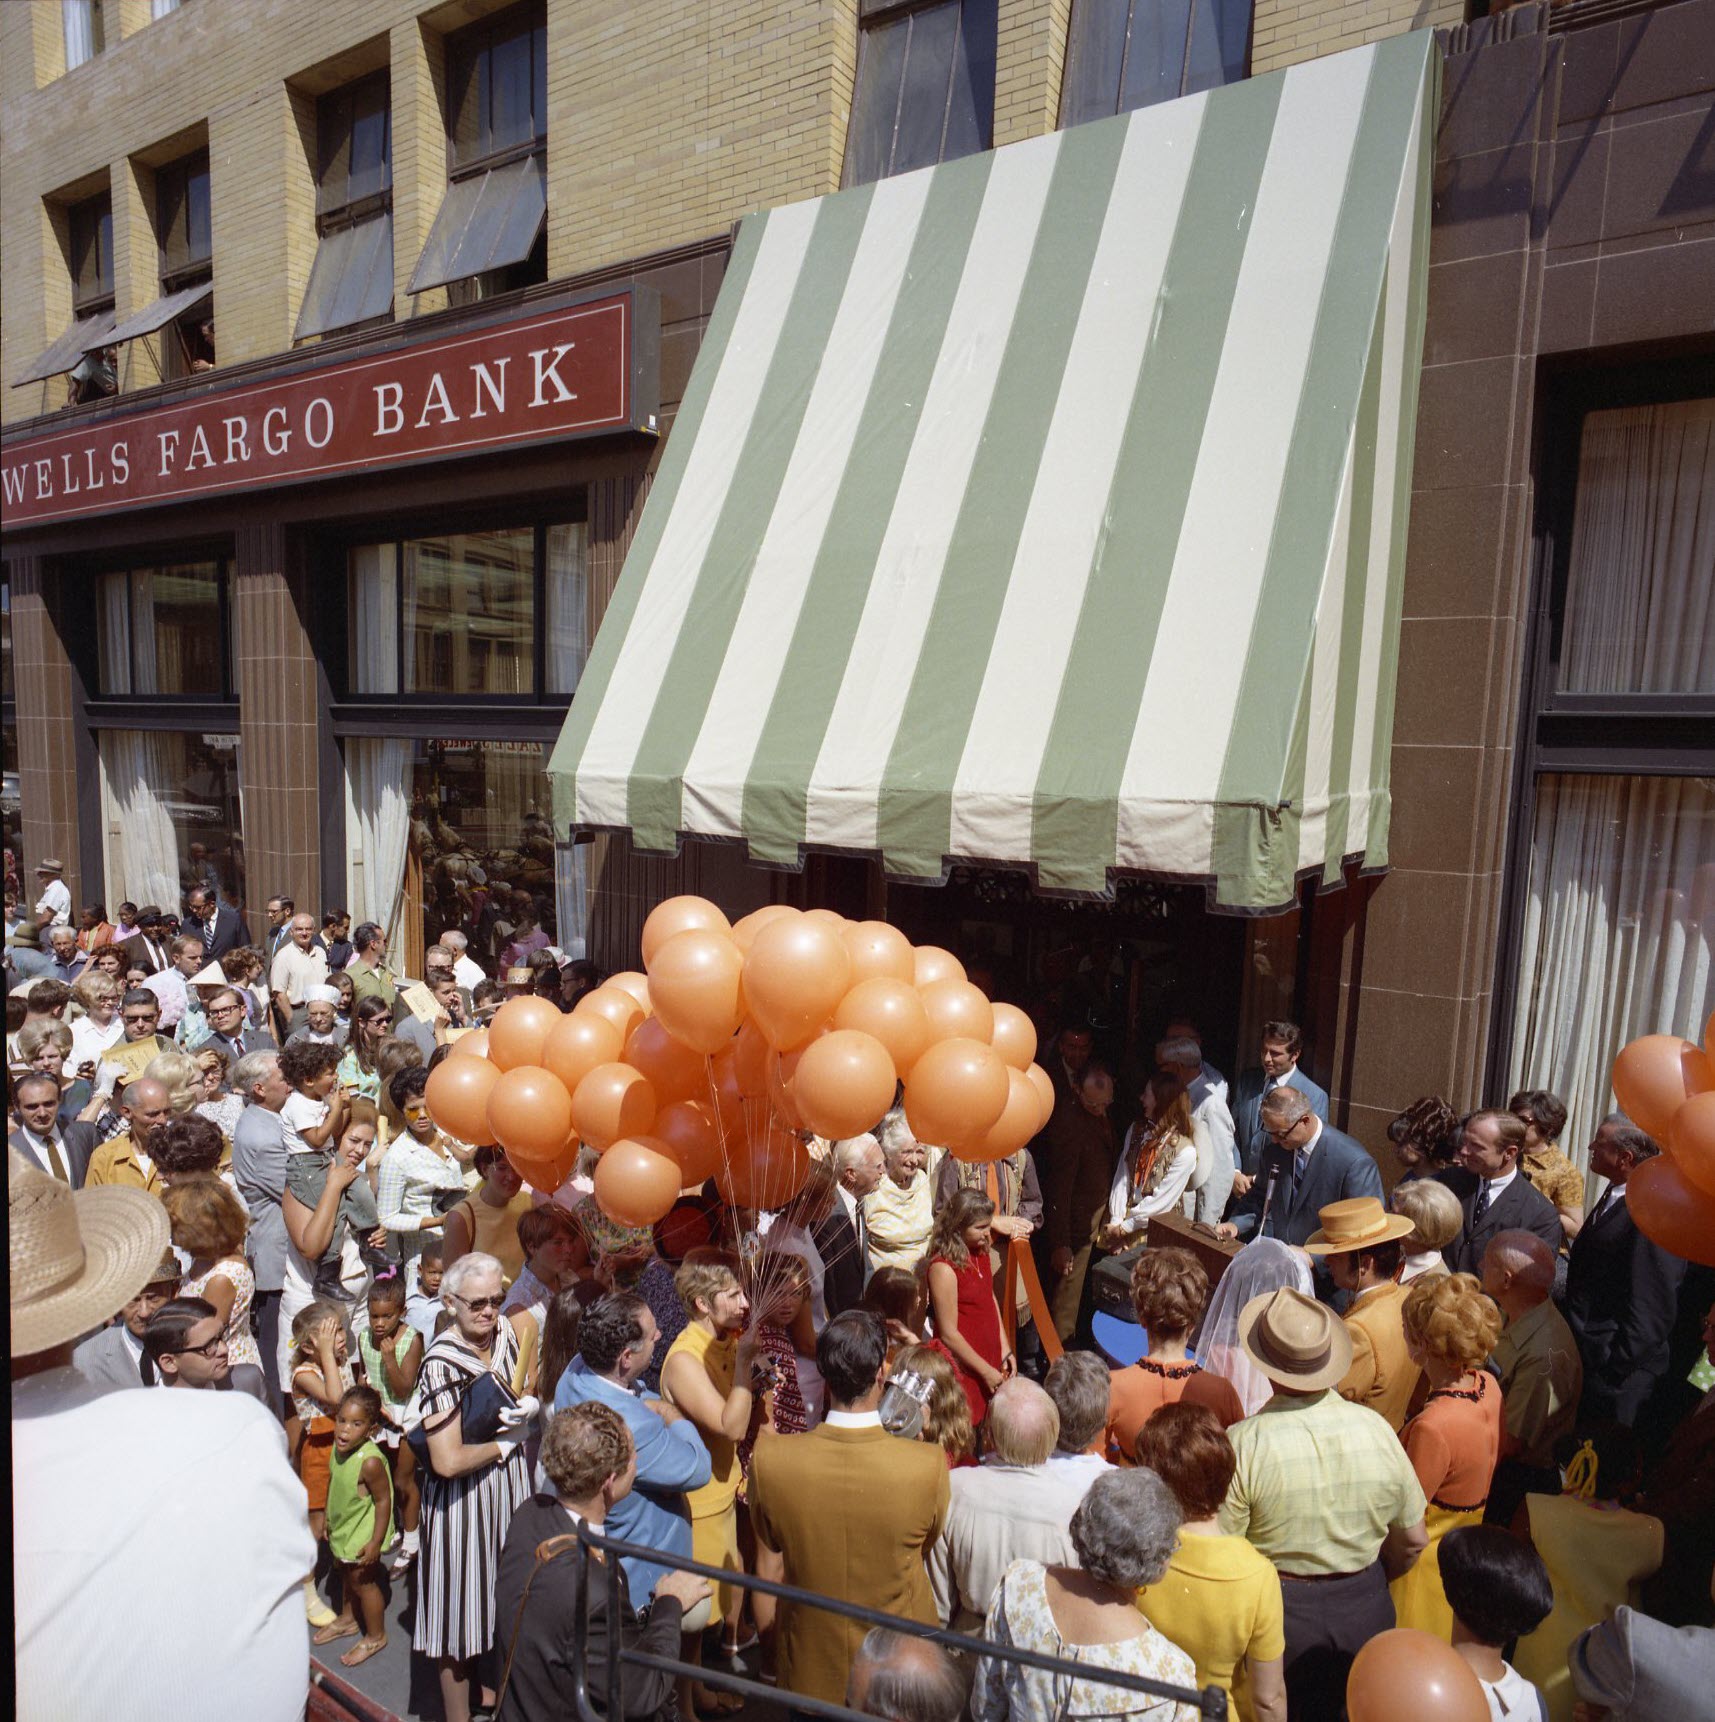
[1455, 1440]
[208, 1223]
[1169, 1289]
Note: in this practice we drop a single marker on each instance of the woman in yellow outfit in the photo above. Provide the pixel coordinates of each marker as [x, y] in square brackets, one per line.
[1455, 1440]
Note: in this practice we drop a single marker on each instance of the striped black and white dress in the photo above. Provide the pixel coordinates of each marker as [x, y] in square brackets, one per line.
[464, 1518]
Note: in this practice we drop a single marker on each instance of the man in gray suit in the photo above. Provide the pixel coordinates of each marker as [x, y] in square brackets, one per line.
[114, 1356]
[1282, 1044]
[60, 1150]
[227, 1030]
[259, 1171]
[1307, 1165]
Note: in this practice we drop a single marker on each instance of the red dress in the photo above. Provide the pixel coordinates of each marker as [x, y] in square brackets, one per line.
[979, 1327]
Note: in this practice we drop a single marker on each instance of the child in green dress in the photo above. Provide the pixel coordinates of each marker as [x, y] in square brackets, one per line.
[359, 1524]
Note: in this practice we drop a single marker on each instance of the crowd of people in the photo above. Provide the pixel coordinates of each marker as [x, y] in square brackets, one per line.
[1468, 1405]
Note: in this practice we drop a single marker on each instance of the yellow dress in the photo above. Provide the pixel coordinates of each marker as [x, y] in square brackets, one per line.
[713, 1507]
[1453, 1444]
[1597, 1555]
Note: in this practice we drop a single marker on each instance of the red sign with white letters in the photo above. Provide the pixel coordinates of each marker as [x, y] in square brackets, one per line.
[559, 374]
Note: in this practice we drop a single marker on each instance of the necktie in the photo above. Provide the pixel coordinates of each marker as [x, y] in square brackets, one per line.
[1296, 1177]
[146, 1368]
[1481, 1206]
[238, 1046]
[1605, 1202]
[56, 1163]
[991, 1184]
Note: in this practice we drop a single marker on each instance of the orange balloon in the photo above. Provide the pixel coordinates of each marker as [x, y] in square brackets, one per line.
[879, 951]
[958, 1010]
[956, 1092]
[519, 1028]
[1435, 1681]
[544, 1175]
[1014, 1036]
[576, 1044]
[1691, 1141]
[1043, 1083]
[613, 1003]
[893, 1012]
[831, 918]
[630, 981]
[637, 1181]
[843, 1084]
[768, 1175]
[930, 964]
[687, 1129]
[693, 980]
[782, 1067]
[530, 1112]
[795, 975]
[679, 915]
[612, 1101]
[458, 1094]
[475, 1042]
[1655, 1075]
[752, 1055]
[745, 929]
[675, 1071]
[730, 1105]
[1019, 1120]
[1671, 1211]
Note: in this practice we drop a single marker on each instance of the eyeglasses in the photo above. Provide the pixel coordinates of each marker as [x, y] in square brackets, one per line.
[224, 1010]
[215, 1345]
[482, 1302]
[140, 1016]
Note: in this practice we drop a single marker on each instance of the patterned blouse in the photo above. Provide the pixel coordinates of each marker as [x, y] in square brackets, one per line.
[241, 1346]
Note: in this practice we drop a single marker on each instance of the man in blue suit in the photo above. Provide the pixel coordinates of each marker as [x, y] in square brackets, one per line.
[1282, 1043]
[1306, 1166]
[615, 1342]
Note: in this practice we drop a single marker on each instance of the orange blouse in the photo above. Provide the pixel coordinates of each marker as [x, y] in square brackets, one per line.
[1454, 1443]
[1137, 1393]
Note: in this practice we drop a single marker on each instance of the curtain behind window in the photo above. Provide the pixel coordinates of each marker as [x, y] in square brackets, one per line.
[79, 16]
[374, 612]
[377, 828]
[1618, 933]
[139, 771]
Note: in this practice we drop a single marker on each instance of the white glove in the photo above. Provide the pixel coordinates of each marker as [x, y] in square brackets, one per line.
[519, 1417]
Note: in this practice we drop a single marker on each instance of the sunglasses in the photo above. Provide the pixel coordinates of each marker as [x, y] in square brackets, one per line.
[482, 1302]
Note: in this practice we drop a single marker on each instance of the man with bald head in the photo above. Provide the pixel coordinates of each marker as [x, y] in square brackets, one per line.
[1014, 1506]
[125, 1159]
[903, 1678]
[842, 1239]
[1542, 1376]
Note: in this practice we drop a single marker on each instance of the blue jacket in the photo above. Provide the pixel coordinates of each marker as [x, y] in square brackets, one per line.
[1338, 1168]
[671, 1458]
[1249, 1137]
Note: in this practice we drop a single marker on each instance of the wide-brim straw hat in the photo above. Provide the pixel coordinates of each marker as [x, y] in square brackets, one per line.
[212, 975]
[1295, 1341]
[1359, 1223]
[76, 1257]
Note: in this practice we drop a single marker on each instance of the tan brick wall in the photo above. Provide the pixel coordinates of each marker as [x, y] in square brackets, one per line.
[419, 157]
[1283, 32]
[1030, 59]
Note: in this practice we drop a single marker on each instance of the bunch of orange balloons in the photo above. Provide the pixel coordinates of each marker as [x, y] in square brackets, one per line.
[1666, 1086]
[735, 1039]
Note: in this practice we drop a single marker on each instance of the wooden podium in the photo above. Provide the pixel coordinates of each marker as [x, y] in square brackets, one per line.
[1112, 1274]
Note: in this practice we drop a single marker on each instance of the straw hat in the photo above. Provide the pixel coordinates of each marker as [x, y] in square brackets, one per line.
[1359, 1223]
[50, 864]
[1295, 1341]
[210, 975]
[76, 1258]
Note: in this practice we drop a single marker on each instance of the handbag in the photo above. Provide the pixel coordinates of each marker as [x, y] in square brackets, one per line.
[481, 1402]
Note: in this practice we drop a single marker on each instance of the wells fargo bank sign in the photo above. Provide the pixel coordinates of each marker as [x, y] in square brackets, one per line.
[577, 371]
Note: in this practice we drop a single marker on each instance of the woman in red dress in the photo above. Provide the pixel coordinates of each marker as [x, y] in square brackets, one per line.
[962, 1300]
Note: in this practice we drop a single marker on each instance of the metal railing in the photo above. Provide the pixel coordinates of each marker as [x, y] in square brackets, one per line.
[1210, 1703]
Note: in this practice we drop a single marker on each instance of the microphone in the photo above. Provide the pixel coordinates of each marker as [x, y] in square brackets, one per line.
[1271, 1172]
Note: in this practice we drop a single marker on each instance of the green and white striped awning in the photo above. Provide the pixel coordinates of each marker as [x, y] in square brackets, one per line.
[1045, 508]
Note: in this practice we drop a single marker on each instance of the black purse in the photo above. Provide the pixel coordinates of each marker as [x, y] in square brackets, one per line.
[480, 1406]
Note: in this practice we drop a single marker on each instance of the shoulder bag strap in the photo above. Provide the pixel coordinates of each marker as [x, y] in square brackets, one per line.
[547, 1551]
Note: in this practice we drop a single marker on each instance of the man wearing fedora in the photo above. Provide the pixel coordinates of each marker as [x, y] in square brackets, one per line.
[147, 948]
[1363, 1247]
[1323, 1488]
[53, 907]
[202, 1476]
[114, 1357]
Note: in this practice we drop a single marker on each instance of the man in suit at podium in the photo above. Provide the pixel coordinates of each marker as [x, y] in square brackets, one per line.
[1307, 1165]
[1282, 1043]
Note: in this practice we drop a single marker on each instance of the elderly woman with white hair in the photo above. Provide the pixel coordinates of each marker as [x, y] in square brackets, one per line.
[899, 1213]
[1124, 1533]
[476, 1476]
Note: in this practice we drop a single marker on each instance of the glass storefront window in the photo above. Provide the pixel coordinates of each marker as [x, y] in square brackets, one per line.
[1619, 932]
[171, 816]
[159, 631]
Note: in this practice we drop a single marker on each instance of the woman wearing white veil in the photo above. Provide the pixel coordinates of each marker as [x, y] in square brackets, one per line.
[1266, 1265]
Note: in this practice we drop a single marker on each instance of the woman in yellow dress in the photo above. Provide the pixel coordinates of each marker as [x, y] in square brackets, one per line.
[1455, 1440]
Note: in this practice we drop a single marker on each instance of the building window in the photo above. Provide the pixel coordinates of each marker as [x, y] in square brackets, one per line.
[160, 8]
[490, 235]
[351, 281]
[85, 31]
[1612, 929]
[1125, 54]
[92, 254]
[171, 815]
[164, 631]
[456, 615]
[925, 87]
[184, 229]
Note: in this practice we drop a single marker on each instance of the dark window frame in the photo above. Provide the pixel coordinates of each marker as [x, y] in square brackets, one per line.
[876, 15]
[1069, 81]
[1580, 734]
[470, 58]
[174, 182]
[345, 210]
[164, 705]
[94, 211]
